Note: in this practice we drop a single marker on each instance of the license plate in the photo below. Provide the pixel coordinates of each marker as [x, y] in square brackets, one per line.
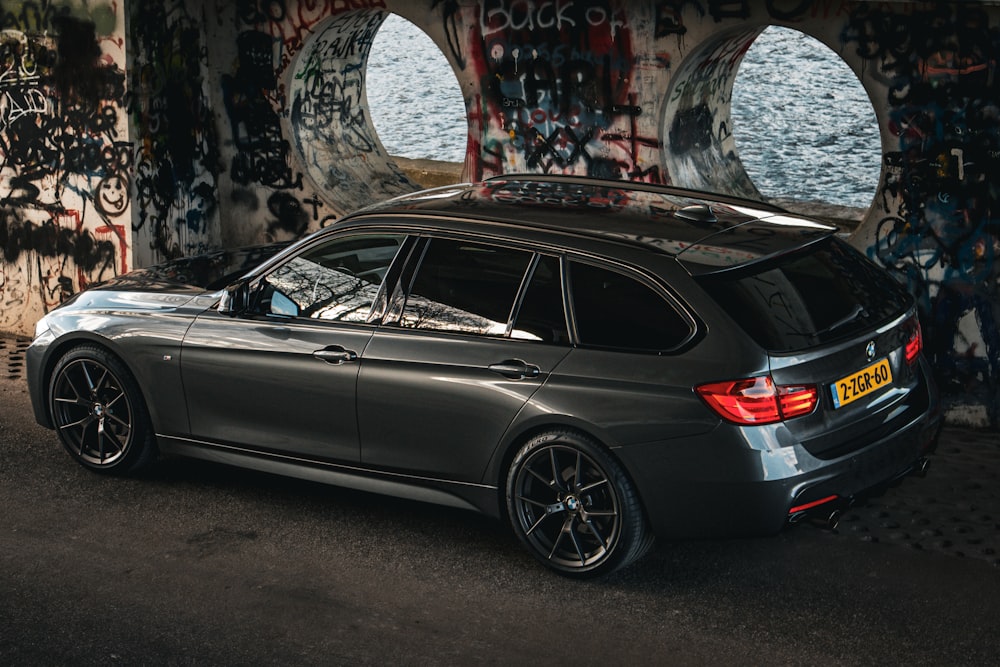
[854, 386]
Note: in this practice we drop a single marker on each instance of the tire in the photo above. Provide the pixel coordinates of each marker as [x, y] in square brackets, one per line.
[571, 503]
[99, 413]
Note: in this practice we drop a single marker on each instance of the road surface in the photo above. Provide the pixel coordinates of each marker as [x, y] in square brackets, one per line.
[197, 563]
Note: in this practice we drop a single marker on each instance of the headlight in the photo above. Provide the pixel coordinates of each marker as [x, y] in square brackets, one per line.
[41, 327]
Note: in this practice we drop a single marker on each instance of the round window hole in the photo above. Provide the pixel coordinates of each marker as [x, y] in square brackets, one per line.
[804, 126]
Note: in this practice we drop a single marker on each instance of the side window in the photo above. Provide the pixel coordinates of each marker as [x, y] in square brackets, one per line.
[617, 311]
[336, 281]
[541, 316]
[465, 287]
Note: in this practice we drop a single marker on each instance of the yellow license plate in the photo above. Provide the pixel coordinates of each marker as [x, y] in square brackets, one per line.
[865, 381]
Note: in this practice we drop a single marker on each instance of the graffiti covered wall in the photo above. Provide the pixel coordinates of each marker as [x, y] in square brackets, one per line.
[299, 149]
[936, 222]
[177, 152]
[629, 90]
[65, 156]
[250, 123]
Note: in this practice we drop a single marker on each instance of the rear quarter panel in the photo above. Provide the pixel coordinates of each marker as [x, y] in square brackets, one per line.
[626, 399]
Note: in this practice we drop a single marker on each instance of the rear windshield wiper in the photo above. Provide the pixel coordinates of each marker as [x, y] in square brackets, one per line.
[855, 313]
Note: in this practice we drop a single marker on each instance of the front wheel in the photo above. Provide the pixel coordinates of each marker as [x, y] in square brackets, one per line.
[571, 503]
[99, 413]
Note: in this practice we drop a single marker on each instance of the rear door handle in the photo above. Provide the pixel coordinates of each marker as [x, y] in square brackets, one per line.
[336, 354]
[515, 369]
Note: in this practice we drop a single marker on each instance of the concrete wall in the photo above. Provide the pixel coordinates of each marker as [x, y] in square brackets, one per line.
[65, 155]
[247, 120]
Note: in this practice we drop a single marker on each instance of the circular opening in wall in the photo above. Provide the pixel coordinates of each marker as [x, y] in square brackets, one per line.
[332, 136]
[804, 126]
[415, 101]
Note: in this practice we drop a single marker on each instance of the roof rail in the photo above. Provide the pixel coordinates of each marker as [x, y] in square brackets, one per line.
[640, 186]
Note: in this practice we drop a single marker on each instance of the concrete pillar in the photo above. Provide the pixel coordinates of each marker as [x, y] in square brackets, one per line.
[176, 148]
[65, 155]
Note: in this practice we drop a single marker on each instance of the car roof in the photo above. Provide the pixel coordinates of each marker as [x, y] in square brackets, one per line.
[706, 232]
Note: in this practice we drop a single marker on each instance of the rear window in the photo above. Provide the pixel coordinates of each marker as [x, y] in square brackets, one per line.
[822, 294]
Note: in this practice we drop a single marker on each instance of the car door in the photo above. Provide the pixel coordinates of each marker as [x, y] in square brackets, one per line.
[282, 376]
[448, 372]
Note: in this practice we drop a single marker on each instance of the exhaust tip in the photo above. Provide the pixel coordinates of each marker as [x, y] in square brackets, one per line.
[921, 466]
[826, 521]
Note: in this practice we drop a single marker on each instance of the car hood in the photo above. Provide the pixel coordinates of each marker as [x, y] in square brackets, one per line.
[171, 284]
[192, 275]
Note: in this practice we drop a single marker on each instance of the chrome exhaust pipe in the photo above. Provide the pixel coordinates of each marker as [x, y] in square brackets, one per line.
[824, 513]
[827, 522]
[921, 466]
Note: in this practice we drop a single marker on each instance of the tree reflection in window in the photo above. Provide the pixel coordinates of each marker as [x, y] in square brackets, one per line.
[337, 281]
[465, 287]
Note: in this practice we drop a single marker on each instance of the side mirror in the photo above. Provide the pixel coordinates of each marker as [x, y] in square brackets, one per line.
[235, 299]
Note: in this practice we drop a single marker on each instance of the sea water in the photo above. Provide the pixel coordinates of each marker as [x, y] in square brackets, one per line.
[804, 126]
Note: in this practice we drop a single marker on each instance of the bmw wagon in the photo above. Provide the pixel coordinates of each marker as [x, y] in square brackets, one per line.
[595, 362]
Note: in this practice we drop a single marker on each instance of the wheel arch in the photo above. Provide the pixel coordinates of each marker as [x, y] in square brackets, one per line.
[517, 436]
[593, 498]
[106, 427]
[58, 348]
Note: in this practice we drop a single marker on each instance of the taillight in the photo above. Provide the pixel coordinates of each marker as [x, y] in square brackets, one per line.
[915, 342]
[758, 400]
[797, 400]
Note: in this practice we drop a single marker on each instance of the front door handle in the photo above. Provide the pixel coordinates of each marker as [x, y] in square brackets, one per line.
[515, 369]
[336, 355]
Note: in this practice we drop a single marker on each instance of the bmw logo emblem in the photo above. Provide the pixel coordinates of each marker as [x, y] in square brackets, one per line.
[870, 350]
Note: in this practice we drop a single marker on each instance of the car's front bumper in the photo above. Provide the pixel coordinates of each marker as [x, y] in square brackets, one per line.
[34, 361]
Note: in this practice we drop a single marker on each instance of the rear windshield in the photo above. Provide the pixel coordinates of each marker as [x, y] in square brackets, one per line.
[824, 293]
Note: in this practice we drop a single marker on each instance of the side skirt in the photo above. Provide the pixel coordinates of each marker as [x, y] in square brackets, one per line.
[476, 497]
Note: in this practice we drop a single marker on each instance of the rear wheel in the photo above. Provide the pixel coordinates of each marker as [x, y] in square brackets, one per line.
[99, 413]
[571, 503]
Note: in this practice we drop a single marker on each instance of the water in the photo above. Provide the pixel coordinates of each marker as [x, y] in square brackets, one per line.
[804, 126]
[415, 101]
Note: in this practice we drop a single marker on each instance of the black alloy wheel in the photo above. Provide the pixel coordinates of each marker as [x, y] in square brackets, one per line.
[574, 507]
[98, 412]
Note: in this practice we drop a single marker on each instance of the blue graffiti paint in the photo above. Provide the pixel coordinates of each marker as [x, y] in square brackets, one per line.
[943, 109]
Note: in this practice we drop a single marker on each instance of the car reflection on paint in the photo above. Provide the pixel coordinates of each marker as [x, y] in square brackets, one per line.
[594, 362]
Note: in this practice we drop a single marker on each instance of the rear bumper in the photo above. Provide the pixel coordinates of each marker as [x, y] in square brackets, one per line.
[739, 481]
[864, 475]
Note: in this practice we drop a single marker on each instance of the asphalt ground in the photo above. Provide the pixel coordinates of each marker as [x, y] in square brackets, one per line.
[197, 563]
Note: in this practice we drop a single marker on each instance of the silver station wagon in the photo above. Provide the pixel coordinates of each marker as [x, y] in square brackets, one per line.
[595, 362]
